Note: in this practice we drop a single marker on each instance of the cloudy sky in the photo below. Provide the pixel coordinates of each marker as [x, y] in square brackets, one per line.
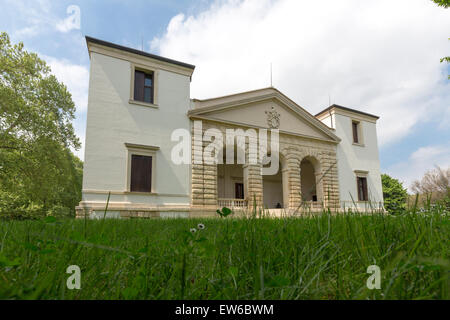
[377, 56]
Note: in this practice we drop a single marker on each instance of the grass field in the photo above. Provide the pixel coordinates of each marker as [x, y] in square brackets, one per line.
[322, 257]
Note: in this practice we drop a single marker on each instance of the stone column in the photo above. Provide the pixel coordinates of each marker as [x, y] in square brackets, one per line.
[253, 182]
[197, 185]
[210, 186]
[330, 180]
[320, 191]
[204, 176]
[293, 181]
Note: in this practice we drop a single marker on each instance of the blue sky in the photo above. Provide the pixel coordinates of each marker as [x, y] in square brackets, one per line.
[381, 57]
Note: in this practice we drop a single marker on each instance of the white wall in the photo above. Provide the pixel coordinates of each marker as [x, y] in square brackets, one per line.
[112, 122]
[329, 121]
[354, 157]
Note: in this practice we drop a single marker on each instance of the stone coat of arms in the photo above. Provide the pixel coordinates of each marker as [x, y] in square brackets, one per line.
[273, 119]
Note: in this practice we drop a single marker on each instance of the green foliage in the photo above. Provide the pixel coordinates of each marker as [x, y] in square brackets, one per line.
[446, 59]
[16, 206]
[445, 4]
[225, 212]
[316, 257]
[395, 195]
[442, 3]
[37, 168]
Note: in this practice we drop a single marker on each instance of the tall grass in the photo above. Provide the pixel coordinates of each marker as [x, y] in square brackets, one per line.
[316, 257]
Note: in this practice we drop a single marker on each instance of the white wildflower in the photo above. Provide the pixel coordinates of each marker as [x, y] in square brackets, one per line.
[201, 226]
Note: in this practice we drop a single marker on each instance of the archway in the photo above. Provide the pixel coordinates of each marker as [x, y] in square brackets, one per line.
[310, 180]
[230, 181]
[275, 187]
[273, 191]
[231, 185]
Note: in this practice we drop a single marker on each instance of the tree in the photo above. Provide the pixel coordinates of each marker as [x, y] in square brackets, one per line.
[445, 4]
[435, 182]
[37, 168]
[394, 194]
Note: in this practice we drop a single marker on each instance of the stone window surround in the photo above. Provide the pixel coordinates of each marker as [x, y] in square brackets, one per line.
[361, 174]
[141, 150]
[134, 67]
[360, 133]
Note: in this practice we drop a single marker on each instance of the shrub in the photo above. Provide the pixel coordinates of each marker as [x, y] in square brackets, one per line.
[394, 194]
[14, 206]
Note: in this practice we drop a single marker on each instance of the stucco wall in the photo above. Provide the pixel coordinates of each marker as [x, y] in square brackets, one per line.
[113, 121]
[353, 157]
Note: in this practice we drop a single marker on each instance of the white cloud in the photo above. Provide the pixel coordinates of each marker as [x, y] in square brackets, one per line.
[419, 162]
[75, 77]
[38, 18]
[26, 32]
[378, 56]
[425, 154]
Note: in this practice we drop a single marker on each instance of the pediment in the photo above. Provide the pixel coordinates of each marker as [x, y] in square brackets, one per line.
[269, 111]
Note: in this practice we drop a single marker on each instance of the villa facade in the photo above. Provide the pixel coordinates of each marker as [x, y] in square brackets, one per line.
[140, 109]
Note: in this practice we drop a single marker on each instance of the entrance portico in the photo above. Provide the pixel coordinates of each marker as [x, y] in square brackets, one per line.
[307, 175]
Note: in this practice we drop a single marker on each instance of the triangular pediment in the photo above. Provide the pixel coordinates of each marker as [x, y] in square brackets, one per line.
[265, 109]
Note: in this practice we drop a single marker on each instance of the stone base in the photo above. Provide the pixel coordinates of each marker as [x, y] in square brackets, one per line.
[167, 212]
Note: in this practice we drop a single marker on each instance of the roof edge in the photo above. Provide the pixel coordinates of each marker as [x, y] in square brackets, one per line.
[232, 94]
[138, 52]
[277, 94]
[346, 109]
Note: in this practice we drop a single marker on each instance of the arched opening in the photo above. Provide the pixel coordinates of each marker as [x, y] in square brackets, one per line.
[273, 190]
[230, 181]
[310, 180]
[275, 187]
[231, 190]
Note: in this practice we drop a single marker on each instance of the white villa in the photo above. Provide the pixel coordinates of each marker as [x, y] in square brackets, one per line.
[138, 100]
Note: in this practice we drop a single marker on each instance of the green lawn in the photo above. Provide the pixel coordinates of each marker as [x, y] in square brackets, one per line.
[324, 257]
